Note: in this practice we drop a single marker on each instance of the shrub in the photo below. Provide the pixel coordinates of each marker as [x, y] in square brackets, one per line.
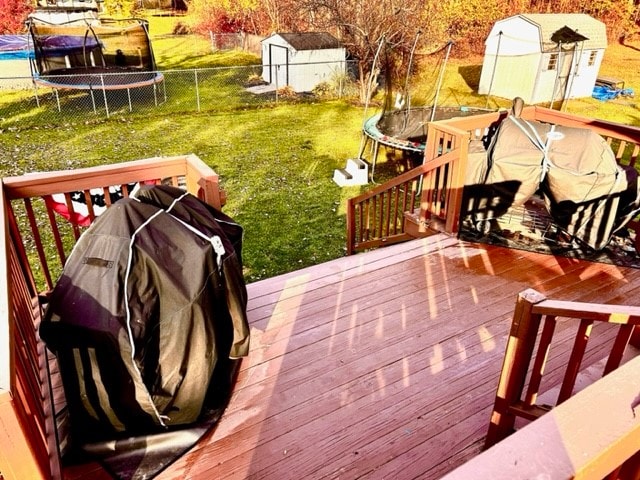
[287, 92]
[13, 13]
[339, 85]
[254, 79]
[181, 28]
[121, 8]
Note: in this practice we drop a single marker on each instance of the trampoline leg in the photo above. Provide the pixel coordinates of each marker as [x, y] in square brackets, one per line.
[363, 145]
[375, 148]
[55, 90]
[129, 98]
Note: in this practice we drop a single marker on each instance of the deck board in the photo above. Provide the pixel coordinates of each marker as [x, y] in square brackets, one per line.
[384, 364]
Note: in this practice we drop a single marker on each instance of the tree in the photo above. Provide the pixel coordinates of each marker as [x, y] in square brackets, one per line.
[362, 26]
[13, 14]
[223, 16]
[260, 17]
[120, 8]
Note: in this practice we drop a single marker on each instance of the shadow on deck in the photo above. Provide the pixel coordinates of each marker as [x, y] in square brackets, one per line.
[384, 364]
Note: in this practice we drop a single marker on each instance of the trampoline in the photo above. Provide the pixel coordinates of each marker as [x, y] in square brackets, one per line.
[401, 125]
[407, 129]
[108, 55]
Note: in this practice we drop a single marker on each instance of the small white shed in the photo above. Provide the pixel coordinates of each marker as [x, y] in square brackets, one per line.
[543, 57]
[301, 60]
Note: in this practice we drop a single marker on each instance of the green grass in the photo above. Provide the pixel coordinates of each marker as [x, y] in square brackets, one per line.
[276, 165]
[275, 161]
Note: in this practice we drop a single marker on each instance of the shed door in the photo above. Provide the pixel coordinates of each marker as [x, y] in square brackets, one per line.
[278, 65]
[565, 70]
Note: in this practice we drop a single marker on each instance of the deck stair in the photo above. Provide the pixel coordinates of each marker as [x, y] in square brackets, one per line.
[417, 227]
[356, 172]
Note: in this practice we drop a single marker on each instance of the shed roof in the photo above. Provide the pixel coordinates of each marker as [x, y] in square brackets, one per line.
[310, 40]
[549, 23]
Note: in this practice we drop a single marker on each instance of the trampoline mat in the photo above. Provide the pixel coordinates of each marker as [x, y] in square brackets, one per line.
[411, 124]
[98, 76]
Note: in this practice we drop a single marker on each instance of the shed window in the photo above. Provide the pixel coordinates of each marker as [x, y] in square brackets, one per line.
[553, 61]
[592, 58]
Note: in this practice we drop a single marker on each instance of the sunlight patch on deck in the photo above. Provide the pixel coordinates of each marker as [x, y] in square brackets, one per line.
[437, 363]
[287, 306]
[462, 251]
[431, 292]
[474, 295]
[486, 338]
[406, 372]
[598, 268]
[462, 351]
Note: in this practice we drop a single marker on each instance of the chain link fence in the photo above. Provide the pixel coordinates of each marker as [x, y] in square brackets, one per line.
[50, 100]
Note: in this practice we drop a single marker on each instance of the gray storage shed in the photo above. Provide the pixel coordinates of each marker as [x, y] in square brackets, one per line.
[301, 60]
[543, 57]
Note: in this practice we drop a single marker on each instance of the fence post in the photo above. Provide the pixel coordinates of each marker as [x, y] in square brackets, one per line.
[277, 72]
[129, 98]
[55, 90]
[35, 90]
[104, 95]
[197, 89]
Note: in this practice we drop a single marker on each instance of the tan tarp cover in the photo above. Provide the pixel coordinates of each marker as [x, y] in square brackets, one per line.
[586, 192]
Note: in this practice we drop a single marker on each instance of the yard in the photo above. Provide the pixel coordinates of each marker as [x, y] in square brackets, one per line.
[275, 161]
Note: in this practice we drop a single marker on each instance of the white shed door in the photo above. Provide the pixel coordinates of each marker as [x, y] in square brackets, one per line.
[279, 67]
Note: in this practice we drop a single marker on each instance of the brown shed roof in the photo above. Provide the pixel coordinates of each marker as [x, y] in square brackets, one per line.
[311, 40]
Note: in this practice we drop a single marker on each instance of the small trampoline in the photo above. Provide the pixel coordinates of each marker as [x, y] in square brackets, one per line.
[105, 55]
[407, 129]
[401, 125]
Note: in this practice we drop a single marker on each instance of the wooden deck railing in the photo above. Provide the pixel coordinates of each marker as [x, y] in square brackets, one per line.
[377, 217]
[440, 179]
[592, 435]
[35, 243]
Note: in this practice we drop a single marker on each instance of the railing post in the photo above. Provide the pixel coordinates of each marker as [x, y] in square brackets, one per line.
[5, 323]
[456, 185]
[517, 357]
[351, 226]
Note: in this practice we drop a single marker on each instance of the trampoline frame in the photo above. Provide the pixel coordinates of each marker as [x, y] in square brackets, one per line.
[378, 138]
[55, 79]
[49, 81]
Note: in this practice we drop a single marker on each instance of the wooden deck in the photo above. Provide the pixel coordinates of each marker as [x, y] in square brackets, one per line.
[382, 364]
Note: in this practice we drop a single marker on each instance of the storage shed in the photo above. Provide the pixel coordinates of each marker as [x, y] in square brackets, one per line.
[543, 57]
[301, 60]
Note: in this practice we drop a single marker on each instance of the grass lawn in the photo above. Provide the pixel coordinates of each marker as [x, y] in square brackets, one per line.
[276, 165]
[276, 162]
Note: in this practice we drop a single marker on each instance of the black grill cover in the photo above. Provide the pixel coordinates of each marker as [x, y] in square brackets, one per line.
[149, 309]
